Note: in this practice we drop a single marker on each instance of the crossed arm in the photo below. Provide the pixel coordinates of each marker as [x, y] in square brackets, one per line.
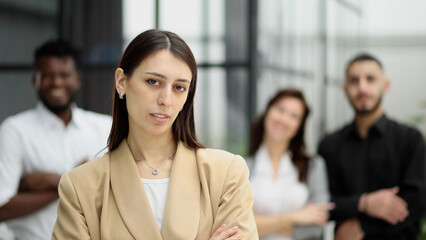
[36, 190]
[386, 210]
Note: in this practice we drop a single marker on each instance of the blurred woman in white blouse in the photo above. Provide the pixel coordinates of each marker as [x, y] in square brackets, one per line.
[290, 188]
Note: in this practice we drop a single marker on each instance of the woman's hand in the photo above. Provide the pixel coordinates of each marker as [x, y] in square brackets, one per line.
[222, 234]
[312, 214]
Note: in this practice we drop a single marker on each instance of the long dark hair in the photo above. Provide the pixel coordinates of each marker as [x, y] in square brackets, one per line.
[140, 48]
[297, 144]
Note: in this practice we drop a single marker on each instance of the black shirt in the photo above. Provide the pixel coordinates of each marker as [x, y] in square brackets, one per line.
[392, 155]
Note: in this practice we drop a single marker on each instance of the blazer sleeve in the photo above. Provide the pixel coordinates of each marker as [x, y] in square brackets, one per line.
[71, 223]
[236, 201]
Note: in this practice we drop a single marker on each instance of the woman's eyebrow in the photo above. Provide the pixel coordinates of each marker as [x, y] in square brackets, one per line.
[183, 80]
[164, 77]
[156, 74]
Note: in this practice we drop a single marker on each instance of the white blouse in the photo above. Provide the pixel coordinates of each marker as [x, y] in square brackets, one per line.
[156, 191]
[282, 194]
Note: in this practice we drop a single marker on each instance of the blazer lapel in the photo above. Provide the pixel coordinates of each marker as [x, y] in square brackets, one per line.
[182, 210]
[130, 195]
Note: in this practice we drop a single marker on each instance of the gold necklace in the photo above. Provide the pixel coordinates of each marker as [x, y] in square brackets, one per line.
[155, 170]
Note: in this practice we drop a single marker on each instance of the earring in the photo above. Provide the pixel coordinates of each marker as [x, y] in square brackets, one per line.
[121, 95]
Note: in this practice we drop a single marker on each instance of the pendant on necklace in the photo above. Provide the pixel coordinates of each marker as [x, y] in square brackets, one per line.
[155, 171]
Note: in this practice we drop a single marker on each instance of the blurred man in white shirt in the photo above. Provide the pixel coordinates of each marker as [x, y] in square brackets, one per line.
[38, 145]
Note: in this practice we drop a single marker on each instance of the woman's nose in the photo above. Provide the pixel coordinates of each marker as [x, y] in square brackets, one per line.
[165, 97]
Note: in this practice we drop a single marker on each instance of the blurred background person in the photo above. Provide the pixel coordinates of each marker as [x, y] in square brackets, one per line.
[290, 188]
[38, 145]
[376, 165]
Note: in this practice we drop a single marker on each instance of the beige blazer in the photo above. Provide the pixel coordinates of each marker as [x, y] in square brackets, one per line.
[105, 198]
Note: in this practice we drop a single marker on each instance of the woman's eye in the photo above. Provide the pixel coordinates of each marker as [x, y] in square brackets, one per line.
[180, 88]
[279, 109]
[152, 82]
[295, 117]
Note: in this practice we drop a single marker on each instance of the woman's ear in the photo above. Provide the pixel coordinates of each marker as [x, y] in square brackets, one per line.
[120, 78]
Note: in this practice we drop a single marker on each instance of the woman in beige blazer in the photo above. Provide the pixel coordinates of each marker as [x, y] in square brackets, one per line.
[157, 181]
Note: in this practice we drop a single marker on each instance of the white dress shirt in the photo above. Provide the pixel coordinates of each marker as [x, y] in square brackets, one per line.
[282, 194]
[38, 141]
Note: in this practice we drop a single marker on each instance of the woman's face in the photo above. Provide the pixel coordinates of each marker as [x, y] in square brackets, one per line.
[283, 119]
[156, 92]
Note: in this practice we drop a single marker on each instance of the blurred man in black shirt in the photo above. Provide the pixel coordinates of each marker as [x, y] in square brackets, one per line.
[375, 165]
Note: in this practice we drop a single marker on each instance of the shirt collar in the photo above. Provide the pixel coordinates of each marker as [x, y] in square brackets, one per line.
[49, 118]
[262, 159]
[379, 126]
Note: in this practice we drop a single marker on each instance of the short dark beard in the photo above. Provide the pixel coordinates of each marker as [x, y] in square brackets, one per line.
[58, 109]
[368, 111]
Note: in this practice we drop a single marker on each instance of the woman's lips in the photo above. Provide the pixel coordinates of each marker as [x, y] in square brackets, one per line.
[160, 117]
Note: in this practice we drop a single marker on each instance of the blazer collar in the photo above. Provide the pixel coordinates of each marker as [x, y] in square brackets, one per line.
[182, 210]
